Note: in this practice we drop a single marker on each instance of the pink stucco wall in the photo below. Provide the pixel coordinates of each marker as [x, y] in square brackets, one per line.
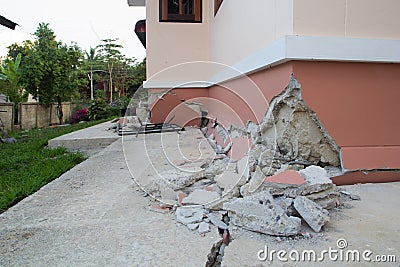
[355, 102]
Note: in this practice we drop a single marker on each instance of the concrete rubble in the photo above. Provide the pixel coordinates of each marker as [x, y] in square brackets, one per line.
[279, 183]
[199, 219]
[260, 213]
[280, 187]
[311, 212]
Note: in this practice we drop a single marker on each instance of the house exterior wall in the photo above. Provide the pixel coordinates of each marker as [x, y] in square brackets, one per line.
[357, 104]
[169, 44]
[353, 89]
[347, 18]
[240, 28]
[250, 95]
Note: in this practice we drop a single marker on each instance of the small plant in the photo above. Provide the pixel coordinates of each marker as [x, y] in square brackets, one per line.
[122, 103]
[80, 115]
[100, 109]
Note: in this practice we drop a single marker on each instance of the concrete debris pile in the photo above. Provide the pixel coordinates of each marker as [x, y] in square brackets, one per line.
[290, 136]
[281, 184]
[199, 219]
[283, 179]
[274, 205]
[283, 200]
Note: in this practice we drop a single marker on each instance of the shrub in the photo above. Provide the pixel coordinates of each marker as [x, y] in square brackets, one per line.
[80, 115]
[99, 109]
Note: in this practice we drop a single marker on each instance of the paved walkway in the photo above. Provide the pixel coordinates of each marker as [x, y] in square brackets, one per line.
[95, 215]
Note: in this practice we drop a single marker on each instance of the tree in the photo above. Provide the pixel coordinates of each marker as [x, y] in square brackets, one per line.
[91, 57]
[25, 49]
[51, 70]
[110, 53]
[10, 74]
[139, 73]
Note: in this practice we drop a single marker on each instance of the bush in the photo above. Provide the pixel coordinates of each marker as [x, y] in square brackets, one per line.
[99, 109]
[80, 115]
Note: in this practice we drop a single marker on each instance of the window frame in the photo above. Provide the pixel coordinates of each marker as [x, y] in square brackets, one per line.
[197, 17]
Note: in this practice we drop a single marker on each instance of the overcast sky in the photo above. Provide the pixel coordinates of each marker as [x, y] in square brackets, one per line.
[85, 22]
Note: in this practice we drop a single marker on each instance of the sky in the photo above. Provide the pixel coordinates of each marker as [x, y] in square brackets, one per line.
[85, 22]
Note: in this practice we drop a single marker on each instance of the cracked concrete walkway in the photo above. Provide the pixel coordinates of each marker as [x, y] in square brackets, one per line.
[94, 215]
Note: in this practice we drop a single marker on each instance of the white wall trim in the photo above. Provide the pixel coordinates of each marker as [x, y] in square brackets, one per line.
[295, 47]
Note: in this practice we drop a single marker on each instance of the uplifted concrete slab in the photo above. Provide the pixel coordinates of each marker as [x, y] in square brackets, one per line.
[89, 140]
[372, 224]
[95, 215]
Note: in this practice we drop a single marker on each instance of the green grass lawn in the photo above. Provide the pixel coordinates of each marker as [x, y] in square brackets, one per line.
[28, 165]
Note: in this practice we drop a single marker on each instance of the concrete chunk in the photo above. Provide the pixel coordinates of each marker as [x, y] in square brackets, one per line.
[189, 216]
[193, 226]
[286, 177]
[260, 213]
[315, 175]
[203, 228]
[243, 167]
[230, 180]
[217, 222]
[311, 212]
[200, 197]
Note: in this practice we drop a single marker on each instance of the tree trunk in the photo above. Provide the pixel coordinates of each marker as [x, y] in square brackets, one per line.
[59, 109]
[91, 83]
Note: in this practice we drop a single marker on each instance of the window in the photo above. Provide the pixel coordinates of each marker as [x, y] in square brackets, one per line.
[180, 10]
[217, 5]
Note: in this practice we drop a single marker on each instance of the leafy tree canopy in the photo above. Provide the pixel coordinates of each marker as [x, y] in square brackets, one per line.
[50, 68]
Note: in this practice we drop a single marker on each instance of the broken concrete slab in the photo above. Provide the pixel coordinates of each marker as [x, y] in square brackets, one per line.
[327, 199]
[311, 180]
[311, 212]
[243, 167]
[295, 129]
[230, 182]
[189, 215]
[286, 177]
[200, 197]
[315, 175]
[203, 228]
[214, 187]
[253, 186]
[193, 226]
[217, 222]
[260, 213]
[182, 178]
[216, 167]
[168, 193]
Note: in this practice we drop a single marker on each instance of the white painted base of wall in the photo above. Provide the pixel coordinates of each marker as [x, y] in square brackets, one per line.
[295, 47]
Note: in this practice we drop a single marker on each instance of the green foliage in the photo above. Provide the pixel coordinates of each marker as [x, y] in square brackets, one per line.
[25, 49]
[51, 70]
[27, 165]
[10, 74]
[122, 102]
[100, 109]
